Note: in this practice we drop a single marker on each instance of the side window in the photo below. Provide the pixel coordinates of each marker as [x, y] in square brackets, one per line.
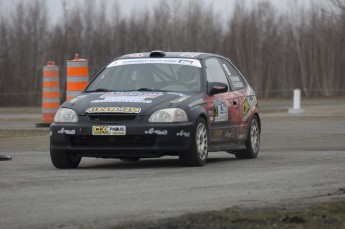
[233, 75]
[215, 72]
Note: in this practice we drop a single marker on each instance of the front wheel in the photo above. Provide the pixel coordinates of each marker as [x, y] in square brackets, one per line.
[199, 152]
[64, 159]
[253, 141]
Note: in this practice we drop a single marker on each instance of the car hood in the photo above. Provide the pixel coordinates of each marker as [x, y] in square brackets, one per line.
[141, 102]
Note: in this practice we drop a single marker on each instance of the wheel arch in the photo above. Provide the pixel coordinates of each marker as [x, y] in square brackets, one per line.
[259, 120]
[204, 116]
[248, 127]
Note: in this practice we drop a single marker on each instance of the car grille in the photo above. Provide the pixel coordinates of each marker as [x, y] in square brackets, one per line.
[131, 141]
[111, 118]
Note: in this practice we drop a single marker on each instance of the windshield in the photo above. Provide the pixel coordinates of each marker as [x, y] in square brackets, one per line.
[134, 75]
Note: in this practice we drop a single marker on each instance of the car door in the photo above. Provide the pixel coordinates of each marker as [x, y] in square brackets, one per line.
[239, 105]
[221, 106]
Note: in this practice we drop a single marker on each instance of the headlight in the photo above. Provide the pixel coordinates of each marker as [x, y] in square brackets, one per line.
[66, 115]
[169, 115]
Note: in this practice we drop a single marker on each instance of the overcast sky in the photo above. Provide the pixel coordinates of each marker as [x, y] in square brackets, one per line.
[222, 7]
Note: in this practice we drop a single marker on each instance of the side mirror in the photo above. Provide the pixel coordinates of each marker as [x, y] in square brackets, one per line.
[216, 88]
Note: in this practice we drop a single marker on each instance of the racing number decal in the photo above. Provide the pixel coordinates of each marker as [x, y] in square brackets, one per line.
[221, 112]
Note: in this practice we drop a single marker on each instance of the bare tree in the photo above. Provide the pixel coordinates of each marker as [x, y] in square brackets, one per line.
[276, 52]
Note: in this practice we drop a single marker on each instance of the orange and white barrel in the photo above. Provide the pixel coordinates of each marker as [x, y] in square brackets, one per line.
[77, 77]
[50, 92]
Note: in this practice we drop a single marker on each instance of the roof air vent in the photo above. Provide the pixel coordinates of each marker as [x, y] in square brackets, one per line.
[157, 53]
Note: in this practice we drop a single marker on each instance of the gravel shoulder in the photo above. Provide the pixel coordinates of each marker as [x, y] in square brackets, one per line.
[329, 214]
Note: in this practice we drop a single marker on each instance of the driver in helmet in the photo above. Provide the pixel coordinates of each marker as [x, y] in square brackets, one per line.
[187, 76]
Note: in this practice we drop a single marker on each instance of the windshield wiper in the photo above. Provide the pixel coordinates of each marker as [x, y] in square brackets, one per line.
[145, 89]
[148, 89]
[99, 90]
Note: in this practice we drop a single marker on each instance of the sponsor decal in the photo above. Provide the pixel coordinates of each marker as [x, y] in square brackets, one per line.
[176, 93]
[190, 54]
[228, 134]
[136, 55]
[235, 79]
[123, 99]
[65, 131]
[238, 84]
[128, 97]
[158, 132]
[130, 110]
[241, 136]
[187, 62]
[221, 110]
[108, 130]
[231, 133]
[249, 103]
[217, 135]
[191, 62]
[132, 93]
[246, 109]
[182, 133]
[251, 97]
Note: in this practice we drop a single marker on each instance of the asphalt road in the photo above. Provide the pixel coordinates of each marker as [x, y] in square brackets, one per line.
[302, 161]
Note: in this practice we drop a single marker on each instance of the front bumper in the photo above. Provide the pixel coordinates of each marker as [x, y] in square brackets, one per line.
[152, 140]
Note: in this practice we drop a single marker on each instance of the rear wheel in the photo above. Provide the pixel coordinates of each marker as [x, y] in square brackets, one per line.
[198, 155]
[64, 159]
[252, 142]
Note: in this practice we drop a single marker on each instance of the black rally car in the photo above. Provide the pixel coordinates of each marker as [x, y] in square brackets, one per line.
[154, 104]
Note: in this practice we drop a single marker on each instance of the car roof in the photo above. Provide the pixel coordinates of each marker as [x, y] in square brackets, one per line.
[162, 54]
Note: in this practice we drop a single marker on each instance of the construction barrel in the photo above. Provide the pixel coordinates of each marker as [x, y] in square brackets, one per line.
[77, 77]
[50, 92]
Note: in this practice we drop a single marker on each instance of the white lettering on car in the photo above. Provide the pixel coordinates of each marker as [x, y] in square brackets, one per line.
[158, 132]
[183, 133]
[64, 131]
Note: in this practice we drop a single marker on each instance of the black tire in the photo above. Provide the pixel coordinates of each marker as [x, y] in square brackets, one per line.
[134, 159]
[252, 142]
[64, 159]
[198, 155]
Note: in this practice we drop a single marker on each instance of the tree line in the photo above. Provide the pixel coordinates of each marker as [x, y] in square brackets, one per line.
[276, 52]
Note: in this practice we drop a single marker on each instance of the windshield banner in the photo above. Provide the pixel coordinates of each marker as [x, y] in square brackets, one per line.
[189, 62]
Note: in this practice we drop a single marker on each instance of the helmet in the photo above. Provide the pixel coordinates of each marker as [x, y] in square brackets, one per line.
[142, 79]
[187, 73]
